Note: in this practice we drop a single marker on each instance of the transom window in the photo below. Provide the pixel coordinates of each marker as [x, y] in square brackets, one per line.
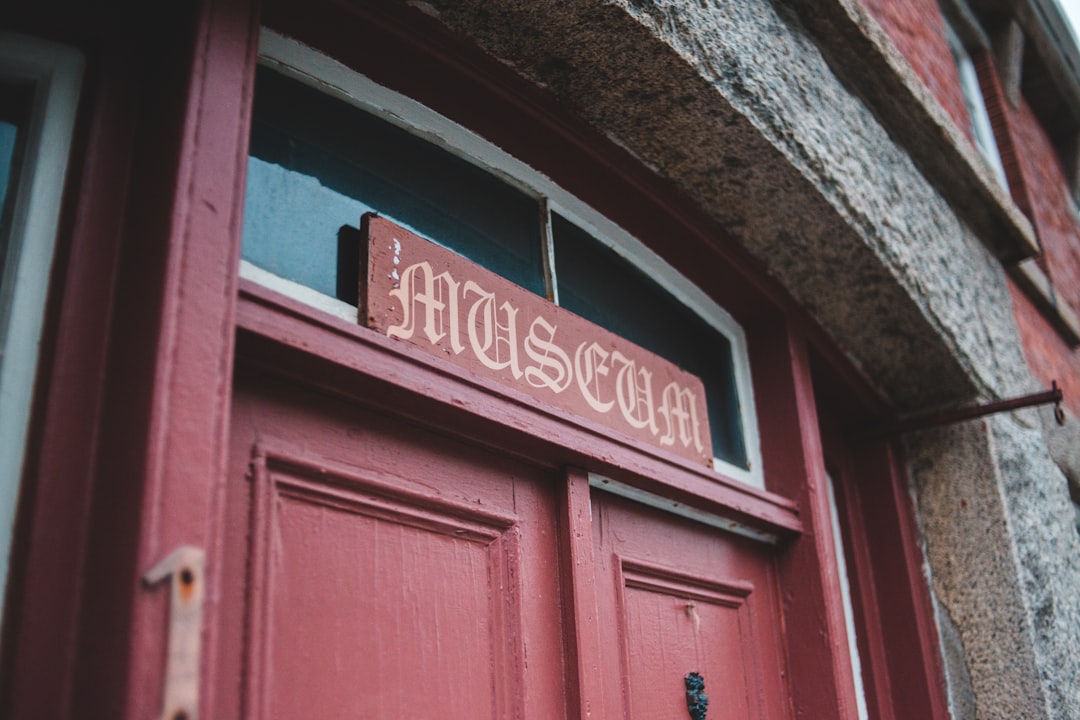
[325, 152]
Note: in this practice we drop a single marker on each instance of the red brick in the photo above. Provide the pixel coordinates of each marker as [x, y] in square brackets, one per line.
[917, 29]
[1049, 357]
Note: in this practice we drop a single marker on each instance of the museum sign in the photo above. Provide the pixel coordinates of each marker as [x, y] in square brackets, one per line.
[418, 292]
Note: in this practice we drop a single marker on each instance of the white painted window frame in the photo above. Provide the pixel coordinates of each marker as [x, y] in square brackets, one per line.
[56, 73]
[845, 595]
[976, 106]
[329, 76]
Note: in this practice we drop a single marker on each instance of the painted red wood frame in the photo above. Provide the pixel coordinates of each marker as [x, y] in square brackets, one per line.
[278, 333]
[127, 454]
[128, 450]
[372, 565]
[902, 672]
[47, 569]
[584, 689]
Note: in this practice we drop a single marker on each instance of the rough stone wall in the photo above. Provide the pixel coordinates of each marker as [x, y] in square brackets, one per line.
[963, 514]
[995, 512]
[736, 104]
[1041, 519]
[1040, 188]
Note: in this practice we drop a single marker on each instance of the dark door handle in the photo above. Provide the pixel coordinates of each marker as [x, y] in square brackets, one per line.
[697, 702]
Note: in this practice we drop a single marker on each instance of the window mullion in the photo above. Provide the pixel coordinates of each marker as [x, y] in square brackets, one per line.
[548, 251]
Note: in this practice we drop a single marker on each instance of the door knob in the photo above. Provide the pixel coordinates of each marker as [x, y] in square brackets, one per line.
[697, 702]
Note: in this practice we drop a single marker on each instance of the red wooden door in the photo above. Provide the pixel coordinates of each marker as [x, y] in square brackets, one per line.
[679, 597]
[377, 568]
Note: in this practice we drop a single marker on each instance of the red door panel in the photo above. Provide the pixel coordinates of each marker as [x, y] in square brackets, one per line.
[378, 570]
[687, 598]
[375, 568]
[350, 578]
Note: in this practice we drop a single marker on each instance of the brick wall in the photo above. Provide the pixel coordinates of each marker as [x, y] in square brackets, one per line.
[1034, 172]
[1051, 207]
[1049, 357]
[917, 29]
[1002, 119]
[1040, 190]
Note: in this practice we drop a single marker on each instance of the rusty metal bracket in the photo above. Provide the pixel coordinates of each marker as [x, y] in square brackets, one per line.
[948, 417]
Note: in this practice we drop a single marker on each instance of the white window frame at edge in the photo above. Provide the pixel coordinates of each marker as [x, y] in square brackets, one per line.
[976, 106]
[329, 76]
[845, 596]
[56, 73]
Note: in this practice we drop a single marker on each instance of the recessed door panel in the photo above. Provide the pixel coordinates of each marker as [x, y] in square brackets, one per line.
[688, 599]
[386, 590]
[675, 624]
[376, 569]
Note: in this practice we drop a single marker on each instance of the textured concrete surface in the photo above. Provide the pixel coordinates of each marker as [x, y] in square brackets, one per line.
[741, 106]
[995, 517]
[1063, 442]
[860, 52]
[1041, 521]
[959, 687]
[963, 517]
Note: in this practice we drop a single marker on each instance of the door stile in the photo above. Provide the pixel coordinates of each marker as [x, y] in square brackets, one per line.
[846, 470]
[893, 612]
[822, 683]
[183, 484]
[906, 653]
[585, 692]
[256, 659]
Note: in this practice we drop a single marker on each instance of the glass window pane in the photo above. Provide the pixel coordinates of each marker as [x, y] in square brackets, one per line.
[601, 286]
[318, 163]
[39, 95]
[15, 104]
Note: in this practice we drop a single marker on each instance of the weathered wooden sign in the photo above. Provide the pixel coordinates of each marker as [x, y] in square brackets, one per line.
[415, 291]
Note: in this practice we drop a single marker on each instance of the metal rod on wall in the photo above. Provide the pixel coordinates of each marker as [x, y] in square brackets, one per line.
[948, 417]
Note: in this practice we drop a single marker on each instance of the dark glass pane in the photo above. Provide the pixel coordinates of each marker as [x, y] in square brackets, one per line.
[15, 104]
[599, 285]
[317, 164]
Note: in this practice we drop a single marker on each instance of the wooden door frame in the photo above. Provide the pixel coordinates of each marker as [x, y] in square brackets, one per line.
[127, 448]
[130, 438]
[903, 674]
